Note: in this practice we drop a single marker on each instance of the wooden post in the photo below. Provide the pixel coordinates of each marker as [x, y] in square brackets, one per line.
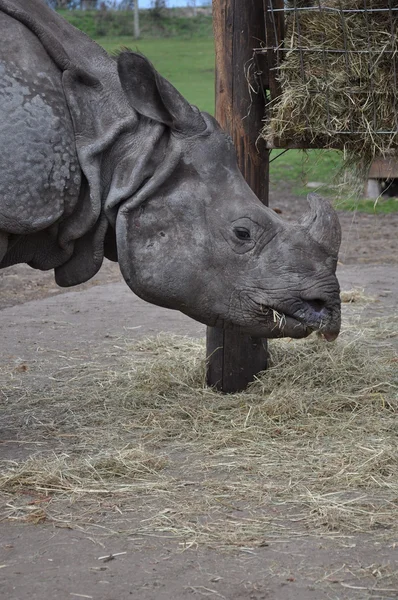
[136, 20]
[234, 359]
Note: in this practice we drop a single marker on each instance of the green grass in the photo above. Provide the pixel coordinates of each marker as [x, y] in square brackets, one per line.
[297, 168]
[382, 205]
[188, 65]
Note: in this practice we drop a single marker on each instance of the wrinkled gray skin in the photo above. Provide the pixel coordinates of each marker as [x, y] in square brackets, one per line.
[103, 157]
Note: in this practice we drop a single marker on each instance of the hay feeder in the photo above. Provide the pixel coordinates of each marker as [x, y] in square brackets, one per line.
[332, 76]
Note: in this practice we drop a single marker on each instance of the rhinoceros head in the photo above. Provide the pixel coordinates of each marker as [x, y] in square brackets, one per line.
[194, 237]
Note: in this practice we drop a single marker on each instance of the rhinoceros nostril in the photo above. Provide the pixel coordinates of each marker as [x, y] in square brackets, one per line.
[316, 304]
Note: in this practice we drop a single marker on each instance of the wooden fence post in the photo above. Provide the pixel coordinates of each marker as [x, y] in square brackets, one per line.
[234, 359]
[136, 20]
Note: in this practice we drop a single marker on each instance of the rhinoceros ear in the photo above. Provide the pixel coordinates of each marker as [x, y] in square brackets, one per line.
[153, 96]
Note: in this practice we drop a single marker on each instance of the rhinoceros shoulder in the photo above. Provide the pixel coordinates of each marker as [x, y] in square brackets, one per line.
[40, 173]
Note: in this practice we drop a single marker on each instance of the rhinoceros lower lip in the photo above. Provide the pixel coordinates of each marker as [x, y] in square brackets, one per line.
[289, 326]
[274, 324]
[286, 321]
[268, 328]
[285, 325]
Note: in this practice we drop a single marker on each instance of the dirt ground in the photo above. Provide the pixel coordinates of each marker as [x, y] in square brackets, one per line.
[41, 323]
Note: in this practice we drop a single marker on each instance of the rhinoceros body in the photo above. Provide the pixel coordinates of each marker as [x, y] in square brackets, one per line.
[100, 157]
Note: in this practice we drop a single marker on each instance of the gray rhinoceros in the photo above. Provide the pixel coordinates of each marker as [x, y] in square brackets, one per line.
[105, 158]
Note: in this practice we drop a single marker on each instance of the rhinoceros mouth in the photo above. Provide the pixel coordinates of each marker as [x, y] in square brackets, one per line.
[272, 323]
[296, 322]
[288, 322]
[269, 323]
[287, 327]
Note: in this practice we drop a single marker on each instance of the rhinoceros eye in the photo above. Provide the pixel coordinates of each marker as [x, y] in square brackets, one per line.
[242, 233]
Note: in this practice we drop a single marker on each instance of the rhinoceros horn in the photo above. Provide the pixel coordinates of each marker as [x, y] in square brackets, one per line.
[323, 224]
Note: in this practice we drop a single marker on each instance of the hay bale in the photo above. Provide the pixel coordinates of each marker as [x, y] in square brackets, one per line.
[338, 79]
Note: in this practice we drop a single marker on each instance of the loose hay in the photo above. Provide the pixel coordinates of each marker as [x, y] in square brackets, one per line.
[356, 295]
[338, 79]
[310, 448]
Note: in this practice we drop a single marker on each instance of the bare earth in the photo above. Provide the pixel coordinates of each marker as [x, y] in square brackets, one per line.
[48, 561]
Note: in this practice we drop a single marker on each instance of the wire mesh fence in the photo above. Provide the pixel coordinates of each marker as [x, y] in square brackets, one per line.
[332, 74]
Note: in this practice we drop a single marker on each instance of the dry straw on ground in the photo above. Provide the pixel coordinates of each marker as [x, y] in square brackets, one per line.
[356, 295]
[310, 448]
[340, 90]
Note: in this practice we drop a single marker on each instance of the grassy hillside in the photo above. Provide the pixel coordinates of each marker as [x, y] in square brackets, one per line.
[172, 23]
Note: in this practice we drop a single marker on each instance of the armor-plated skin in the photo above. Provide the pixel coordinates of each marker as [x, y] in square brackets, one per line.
[100, 157]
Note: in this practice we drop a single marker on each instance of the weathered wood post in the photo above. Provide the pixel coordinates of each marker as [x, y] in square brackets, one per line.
[234, 359]
[136, 20]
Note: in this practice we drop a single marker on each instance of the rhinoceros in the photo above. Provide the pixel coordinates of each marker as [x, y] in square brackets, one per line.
[104, 157]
